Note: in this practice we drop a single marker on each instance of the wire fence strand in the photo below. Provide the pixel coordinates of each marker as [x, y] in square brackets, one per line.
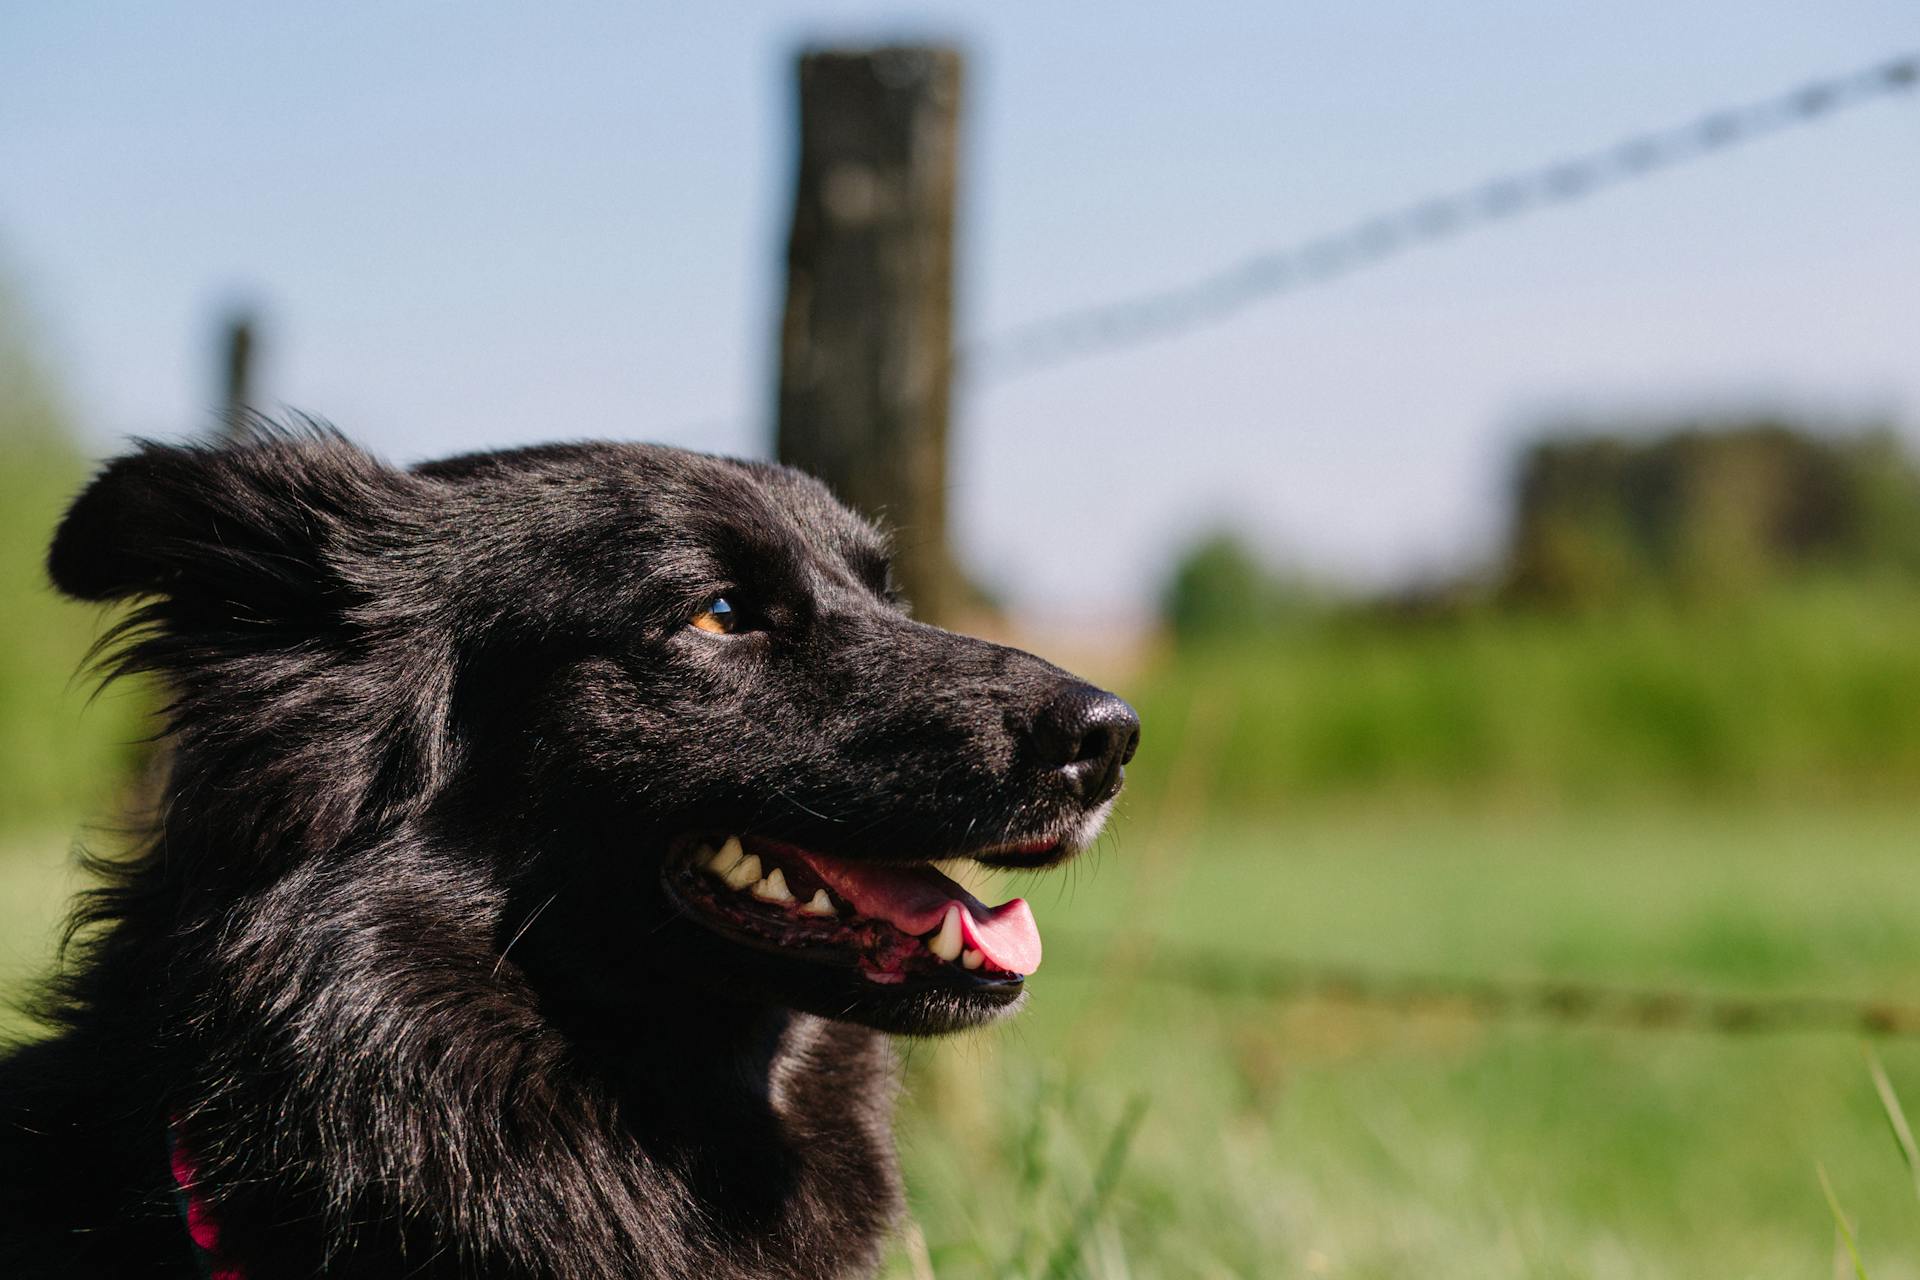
[1221, 973]
[1163, 314]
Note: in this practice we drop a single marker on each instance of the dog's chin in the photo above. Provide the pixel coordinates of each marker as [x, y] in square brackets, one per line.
[934, 1013]
[921, 1010]
[895, 947]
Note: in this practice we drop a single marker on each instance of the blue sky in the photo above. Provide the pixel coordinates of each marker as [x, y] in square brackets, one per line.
[485, 224]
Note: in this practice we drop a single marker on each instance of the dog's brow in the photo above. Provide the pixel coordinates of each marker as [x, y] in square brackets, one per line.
[758, 555]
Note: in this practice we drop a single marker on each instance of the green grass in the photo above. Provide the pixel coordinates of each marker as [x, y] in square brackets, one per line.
[54, 761]
[37, 877]
[62, 750]
[1308, 1138]
[1813, 690]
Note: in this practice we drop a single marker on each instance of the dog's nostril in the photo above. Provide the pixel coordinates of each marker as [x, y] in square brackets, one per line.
[1087, 735]
[1095, 745]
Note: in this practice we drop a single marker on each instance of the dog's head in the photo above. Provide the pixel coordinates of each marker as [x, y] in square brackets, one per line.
[662, 708]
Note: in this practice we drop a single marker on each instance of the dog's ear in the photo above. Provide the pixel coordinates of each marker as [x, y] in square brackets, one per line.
[253, 532]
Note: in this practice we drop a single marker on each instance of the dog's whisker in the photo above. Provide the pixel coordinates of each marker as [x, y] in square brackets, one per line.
[521, 932]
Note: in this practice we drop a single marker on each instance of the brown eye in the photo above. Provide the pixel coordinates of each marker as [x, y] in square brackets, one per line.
[719, 617]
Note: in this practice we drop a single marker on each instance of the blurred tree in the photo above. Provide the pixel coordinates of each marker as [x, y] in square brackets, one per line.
[1221, 588]
[1704, 512]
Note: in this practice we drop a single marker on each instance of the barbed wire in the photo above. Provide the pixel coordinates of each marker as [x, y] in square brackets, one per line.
[1163, 314]
[1221, 973]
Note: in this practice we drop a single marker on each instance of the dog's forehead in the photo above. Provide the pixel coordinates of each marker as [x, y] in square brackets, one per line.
[736, 500]
[670, 497]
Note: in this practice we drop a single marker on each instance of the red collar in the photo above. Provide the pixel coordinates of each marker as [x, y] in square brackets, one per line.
[202, 1230]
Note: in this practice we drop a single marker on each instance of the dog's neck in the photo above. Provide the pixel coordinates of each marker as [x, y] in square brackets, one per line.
[737, 1094]
[777, 1123]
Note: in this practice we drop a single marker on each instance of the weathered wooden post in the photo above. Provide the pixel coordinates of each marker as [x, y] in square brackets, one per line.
[867, 337]
[236, 369]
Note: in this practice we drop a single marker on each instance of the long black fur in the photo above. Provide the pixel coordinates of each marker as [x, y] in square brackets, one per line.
[395, 963]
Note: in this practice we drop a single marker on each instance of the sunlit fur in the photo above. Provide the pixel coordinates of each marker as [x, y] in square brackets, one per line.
[395, 962]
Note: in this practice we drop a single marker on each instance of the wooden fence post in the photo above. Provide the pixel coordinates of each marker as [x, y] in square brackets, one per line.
[867, 336]
[236, 368]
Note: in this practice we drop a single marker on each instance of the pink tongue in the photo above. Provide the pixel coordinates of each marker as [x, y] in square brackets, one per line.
[915, 899]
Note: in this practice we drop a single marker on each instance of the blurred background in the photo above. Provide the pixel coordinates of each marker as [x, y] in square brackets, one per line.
[1481, 439]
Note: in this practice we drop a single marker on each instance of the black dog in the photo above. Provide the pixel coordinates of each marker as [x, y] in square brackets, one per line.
[546, 841]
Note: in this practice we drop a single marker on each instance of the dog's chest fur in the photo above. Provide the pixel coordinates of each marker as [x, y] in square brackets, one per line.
[782, 1168]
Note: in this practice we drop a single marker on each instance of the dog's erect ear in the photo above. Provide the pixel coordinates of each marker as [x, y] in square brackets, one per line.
[255, 529]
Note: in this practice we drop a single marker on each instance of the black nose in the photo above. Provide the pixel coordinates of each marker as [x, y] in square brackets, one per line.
[1087, 734]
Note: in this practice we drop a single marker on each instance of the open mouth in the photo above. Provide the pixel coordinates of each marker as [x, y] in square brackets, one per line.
[894, 924]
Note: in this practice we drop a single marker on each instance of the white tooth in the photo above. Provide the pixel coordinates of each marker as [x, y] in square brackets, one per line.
[971, 959]
[706, 856]
[819, 905]
[722, 861]
[744, 872]
[946, 943]
[774, 887]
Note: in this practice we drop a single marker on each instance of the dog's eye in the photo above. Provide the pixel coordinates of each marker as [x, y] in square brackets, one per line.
[719, 617]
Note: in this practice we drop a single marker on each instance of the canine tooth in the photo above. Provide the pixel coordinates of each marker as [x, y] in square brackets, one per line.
[774, 887]
[744, 873]
[707, 856]
[819, 905]
[971, 959]
[946, 943]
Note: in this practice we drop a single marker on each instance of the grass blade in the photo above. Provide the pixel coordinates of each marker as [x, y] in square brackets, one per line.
[1896, 1118]
[1032, 1164]
[1061, 1262]
[1840, 1223]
